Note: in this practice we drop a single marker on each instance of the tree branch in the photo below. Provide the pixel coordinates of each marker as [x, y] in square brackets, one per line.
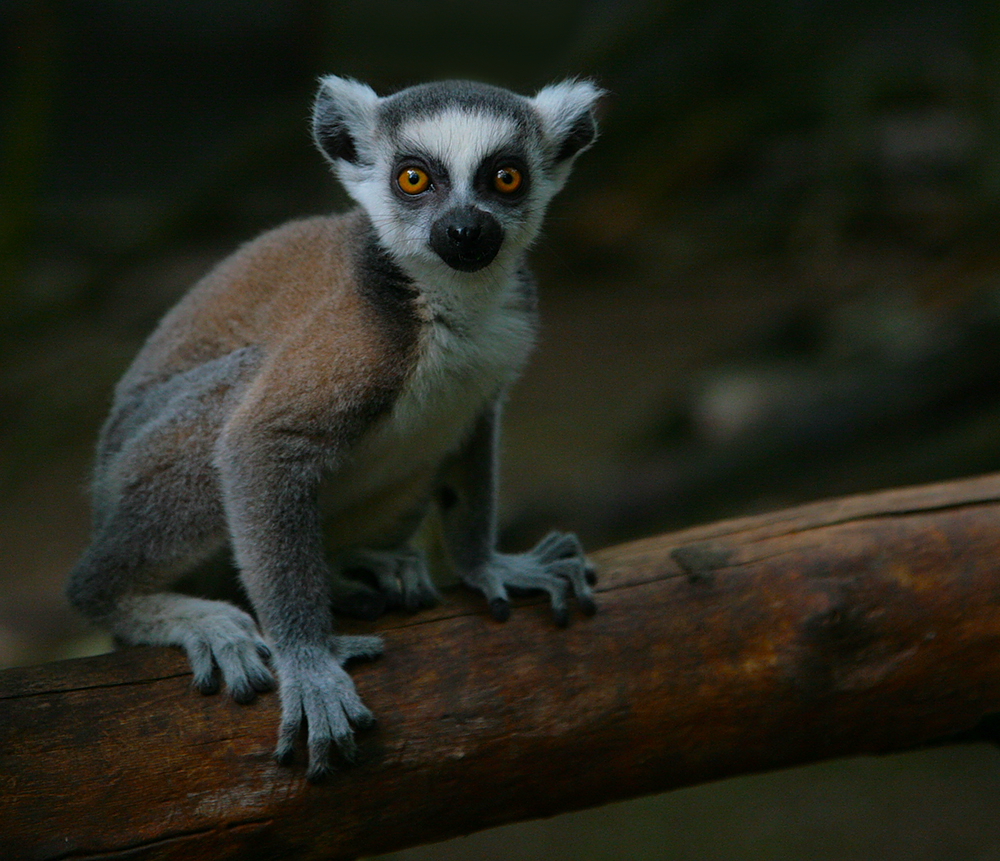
[862, 625]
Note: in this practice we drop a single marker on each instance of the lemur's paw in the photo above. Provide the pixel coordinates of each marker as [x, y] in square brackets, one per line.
[220, 636]
[558, 546]
[401, 574]
[315, 689]
[556, 565]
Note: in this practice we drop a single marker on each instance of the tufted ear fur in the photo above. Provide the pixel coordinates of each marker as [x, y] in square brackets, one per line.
[567, 113]
[344, 113]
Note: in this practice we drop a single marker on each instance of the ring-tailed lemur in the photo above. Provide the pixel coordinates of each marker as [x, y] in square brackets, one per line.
[368, 352]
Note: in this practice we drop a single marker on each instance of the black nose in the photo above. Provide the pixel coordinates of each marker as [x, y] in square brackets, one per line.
[464, 235]
[466, 238]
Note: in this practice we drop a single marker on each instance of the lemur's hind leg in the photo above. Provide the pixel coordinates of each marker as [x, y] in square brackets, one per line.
[158, 514]
[122, 579]
[401, 574]
[384, 555]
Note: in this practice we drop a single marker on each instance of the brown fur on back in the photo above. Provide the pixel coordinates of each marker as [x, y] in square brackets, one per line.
[293, 277]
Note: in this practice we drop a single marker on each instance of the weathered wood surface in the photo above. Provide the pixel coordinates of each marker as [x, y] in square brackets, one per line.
[868, 624]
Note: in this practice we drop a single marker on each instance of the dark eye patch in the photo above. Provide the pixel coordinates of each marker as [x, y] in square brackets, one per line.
[484, 181]
[431, 166]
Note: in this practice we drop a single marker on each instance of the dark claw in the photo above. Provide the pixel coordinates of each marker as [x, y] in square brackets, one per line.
[365, 721]
[284, 754]
[587, 605]
[562, 616]
[348, 748]
[318, 772]
[244, 694]
[208, 685]
[319, 760]
[500, 609]
[262, 684]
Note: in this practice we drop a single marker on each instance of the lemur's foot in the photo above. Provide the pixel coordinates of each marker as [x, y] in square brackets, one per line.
[401, 574]
[316, 689]
[557, 565]
[215, 635]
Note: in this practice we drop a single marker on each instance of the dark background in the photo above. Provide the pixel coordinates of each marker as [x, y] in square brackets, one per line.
[775, 278]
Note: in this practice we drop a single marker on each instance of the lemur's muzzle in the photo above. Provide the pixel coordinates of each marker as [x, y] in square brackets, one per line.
[466, 238]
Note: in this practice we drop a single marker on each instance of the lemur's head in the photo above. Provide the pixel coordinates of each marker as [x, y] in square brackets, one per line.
[454, 171]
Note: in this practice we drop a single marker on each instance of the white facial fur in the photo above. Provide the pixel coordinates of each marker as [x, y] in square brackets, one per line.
[458, 138]
[460, 141]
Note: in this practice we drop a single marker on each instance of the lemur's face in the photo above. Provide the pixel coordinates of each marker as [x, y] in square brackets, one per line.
[454, 173]
[460, 184]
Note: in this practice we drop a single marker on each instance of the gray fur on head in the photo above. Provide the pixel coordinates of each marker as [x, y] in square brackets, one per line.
[457, 132]
[347, 112]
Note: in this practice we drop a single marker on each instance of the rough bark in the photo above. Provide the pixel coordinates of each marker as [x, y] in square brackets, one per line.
[862, 625]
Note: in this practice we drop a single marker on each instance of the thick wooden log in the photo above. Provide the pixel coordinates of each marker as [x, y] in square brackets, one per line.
[863, 625]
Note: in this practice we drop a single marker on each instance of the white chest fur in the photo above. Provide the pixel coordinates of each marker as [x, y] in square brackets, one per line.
[462, 367]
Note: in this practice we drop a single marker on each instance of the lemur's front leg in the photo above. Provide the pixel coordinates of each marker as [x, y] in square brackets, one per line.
[556, 565]
[270, 478]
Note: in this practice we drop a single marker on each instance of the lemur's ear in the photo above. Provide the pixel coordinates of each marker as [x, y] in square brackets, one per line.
[343, 113]
[567, 113]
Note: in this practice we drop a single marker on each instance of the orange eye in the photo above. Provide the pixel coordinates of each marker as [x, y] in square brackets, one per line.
[507, 180]
[413, 180]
